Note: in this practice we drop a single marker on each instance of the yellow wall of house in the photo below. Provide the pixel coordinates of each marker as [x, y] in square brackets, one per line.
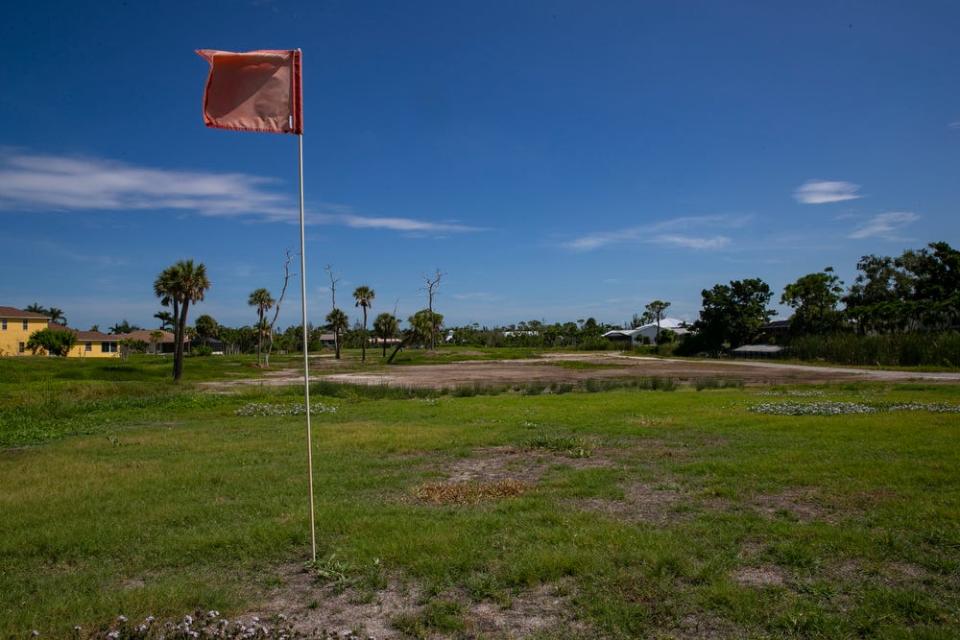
[79, 350]
[15, 334]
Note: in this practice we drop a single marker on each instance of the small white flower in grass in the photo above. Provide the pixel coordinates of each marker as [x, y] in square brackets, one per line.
[188, 620]
[121, 618]
[34, 633]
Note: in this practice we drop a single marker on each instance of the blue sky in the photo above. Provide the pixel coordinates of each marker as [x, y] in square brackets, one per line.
[557, 160]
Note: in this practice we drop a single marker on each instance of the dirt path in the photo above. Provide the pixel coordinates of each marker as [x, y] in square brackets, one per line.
[576, 367]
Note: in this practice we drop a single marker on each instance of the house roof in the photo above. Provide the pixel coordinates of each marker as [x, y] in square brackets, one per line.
[758, 348]
[93, 336]
[144, 334]
[673, 324]
[13, 312]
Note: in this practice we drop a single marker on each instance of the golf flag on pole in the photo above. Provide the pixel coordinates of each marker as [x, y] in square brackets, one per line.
[254, 91]
[261, 91]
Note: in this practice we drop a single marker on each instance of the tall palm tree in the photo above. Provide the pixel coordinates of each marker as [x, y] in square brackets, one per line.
[56, 316]
[338, 322]
[263, 301]
[385, 326]
[364, 296]
[36, 308]
[180, 285]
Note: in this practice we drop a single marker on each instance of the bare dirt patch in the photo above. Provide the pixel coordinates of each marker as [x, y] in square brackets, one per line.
[314, 608]
[800, 504]
[311, 607]
[493, 464]
[641, 503]
[543, 608]
[767, 575]
[548, 369]
[704, 626]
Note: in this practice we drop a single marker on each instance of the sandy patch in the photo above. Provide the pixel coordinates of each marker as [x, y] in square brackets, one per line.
[641, 503]
[799, 503]
[315, 608]
[767, 575]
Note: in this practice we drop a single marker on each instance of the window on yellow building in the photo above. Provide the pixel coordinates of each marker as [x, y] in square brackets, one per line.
[24, 325]
[22, 347]
[88, 346]
[108, 347]
[3, 323]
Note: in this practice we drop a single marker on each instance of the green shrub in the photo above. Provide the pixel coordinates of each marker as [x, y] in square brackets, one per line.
[900, 349]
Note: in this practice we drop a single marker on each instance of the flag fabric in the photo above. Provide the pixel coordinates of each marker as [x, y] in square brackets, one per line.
[254, 91]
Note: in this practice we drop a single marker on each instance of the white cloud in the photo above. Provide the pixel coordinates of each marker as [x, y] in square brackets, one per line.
[665, 232]
[824, 191]
[691, 242]
[38, 182]
[884, 225]
[954, 125]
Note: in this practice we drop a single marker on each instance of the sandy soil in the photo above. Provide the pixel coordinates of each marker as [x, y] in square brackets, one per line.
[549, 369]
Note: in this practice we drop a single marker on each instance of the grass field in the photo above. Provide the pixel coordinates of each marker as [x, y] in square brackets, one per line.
[621, 514]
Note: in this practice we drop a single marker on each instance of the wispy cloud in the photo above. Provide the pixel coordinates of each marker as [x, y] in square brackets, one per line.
[884, 225]
[825, 191]
[954, 125]
[43, 182]
[676, 232]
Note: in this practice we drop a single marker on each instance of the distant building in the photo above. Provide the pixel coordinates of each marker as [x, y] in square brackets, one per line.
[93, 344]
[758, 351]
[16, 327]
[157, 341]
[517, 334]
[647, 334]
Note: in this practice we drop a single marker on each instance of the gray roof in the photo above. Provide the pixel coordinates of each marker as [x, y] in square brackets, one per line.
[758, 348]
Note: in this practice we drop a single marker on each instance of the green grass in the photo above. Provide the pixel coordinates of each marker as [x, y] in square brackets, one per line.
[178, 503]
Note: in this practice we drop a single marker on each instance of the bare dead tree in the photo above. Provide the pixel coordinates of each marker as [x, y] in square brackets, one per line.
[431, 284]
[334, 279]
[288, 258]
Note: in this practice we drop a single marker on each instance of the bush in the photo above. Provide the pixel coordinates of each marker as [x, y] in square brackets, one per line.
[202, 350]
[900, 349]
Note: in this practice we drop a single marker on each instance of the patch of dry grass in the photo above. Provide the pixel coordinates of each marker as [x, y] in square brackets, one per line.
[469, 492]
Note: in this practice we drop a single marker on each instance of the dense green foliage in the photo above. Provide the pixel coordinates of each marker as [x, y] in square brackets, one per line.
[733, 314]
[56, 342]
[892, 349]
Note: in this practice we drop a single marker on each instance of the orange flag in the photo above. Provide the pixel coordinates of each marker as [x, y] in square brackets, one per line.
[254, 91]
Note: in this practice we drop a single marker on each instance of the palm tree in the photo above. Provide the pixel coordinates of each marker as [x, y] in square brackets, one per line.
[56, 316]
[181, 284]
[364, 296]
[36, 308]
[385, 326]
[166, 319]
[263, 301]
[338, 322]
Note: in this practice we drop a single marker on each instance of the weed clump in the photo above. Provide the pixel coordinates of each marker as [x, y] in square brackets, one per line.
[571, 446]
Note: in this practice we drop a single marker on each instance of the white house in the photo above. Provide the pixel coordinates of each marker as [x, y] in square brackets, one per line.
[647, 334]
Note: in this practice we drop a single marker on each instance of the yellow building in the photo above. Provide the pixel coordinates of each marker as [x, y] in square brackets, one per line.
[93, 344]
[16, 327]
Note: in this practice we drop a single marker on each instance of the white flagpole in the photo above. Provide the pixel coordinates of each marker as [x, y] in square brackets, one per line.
[306, 355]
